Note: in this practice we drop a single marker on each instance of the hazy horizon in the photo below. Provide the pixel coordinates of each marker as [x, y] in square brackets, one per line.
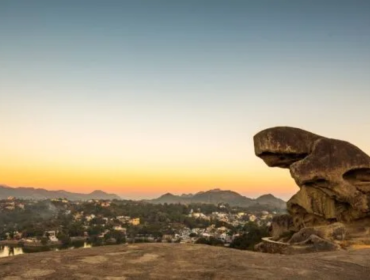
[151, 195]
[149, 97]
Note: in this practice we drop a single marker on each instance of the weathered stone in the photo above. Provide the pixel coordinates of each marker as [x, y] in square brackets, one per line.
[333, 175]
[158, 261]
[330, 232]
[332, 205]
[316, 243]
[281, 225]
[270, 246]
[312, 244]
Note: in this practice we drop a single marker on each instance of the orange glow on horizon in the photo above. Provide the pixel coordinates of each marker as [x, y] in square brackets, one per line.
[147, 179]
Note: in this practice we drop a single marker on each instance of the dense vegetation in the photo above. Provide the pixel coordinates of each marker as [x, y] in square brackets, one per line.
[252, 235]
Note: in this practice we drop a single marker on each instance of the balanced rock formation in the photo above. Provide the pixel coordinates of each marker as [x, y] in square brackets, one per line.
[333, 176]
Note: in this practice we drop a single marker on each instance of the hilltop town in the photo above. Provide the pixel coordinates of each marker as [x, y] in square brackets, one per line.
[61, 222]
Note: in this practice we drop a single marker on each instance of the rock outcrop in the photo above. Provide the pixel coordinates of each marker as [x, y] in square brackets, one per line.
[158, 261]
[333, 177]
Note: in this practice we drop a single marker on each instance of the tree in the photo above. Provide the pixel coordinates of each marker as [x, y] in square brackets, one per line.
[95, 230]
[96, 241]
[248, 240]
[2, 236]
[119, 236]
[193, 234]
[44, 241]
[209, 241]
[64, 239]
[76, 229]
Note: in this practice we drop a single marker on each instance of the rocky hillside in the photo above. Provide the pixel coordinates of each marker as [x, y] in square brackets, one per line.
[217, 196]
[184, 261]
[33, 193]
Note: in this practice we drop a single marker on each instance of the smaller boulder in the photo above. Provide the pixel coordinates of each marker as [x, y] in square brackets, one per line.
[332, 232]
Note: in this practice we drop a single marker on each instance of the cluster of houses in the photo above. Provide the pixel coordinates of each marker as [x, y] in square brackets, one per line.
[187, 235]
[10, 204]
[235, 220]
[222, 233]
[121, 219]
[18, 236]
[180, 233]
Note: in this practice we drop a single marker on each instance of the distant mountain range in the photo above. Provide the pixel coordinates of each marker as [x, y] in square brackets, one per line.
[217, 196]
[33, 193]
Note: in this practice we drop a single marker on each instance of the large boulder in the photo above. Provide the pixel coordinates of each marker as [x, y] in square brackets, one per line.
[333, 175]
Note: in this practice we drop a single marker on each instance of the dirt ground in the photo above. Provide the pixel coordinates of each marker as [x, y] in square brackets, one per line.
[183, 261]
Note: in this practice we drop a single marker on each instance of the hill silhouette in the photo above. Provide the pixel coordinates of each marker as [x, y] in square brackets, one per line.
[35, 193]
[217, 196]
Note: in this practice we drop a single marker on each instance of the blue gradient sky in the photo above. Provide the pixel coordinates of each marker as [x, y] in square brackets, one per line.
[142, 97]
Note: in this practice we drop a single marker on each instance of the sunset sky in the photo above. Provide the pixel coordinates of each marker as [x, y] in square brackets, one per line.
[142, 97]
